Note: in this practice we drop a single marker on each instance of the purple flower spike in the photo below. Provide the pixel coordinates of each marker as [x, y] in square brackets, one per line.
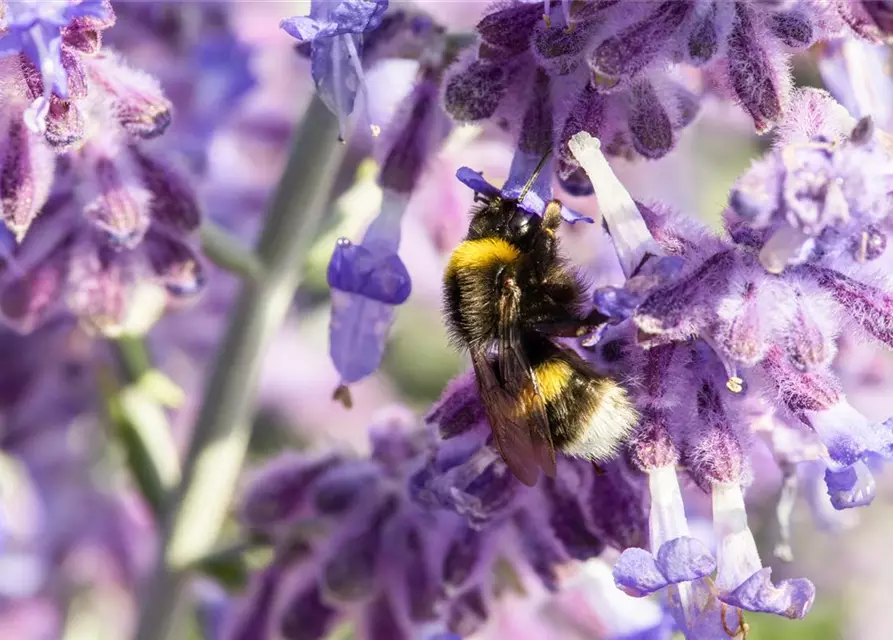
[173, 204]
[252, 619]
[119, 205]
[508, 30]
[870, 307]
[462, 557]
[629, 51]
[175, 264]
[334, 31]
[683, 559]
[790, 598]
[853, 486]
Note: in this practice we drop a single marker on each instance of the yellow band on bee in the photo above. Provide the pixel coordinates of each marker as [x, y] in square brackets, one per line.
[481, 254]
[551, 377]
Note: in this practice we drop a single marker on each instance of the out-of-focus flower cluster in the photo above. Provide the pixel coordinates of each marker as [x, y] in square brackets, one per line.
[96, 221]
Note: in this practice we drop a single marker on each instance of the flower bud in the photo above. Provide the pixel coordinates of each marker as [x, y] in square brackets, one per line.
[649, 122]
[137, 99]
[26, 174]
[118, 203]
[753, 73]
[473, 92]
[64, 125]
[305, 617]
[173, 202]
[793, 28]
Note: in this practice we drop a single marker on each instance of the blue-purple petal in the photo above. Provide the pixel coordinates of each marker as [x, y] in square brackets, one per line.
[335, 76]
[475, 181]
[571, 216]
[87, 9]
[327, 20]
[684, 559]
[791, 598]
[850, 487]
[358, 332]
[303, 28]
[616, 302]
[355, 269]
[636, 573]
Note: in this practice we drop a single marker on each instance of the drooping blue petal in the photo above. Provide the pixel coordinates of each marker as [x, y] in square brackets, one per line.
[304, 28]
[791, 598]
[358, 332]
[685, 559]
[335, 76]
[376, 276]
[475, 181]
[328, 19]
[636, 573]
[681, 559]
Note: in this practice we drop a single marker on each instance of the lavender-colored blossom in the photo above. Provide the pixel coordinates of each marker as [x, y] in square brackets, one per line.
[34, 28]
[113, 219]
[614, 68]
[822, 193]
[334, 31]
[369, 280]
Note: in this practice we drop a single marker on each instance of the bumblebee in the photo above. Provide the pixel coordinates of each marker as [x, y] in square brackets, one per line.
[508, 295]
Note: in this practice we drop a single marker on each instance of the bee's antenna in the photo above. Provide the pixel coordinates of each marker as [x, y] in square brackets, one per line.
[536, 173]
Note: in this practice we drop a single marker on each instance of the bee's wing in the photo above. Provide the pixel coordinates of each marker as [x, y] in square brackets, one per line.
[520, 381]
[510, 431]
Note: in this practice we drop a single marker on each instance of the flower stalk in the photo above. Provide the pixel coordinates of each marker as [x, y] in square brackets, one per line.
[194, 515]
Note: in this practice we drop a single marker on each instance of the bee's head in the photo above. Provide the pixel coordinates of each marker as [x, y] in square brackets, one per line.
[503, 218]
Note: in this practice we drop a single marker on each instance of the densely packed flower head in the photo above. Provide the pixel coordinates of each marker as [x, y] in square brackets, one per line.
[97, 222]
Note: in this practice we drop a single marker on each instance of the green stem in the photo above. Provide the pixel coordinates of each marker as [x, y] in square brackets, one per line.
[140, 422]
[194, 517]
[228, 253]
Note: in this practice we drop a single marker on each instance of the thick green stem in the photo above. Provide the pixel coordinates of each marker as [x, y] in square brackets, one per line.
[195, 515]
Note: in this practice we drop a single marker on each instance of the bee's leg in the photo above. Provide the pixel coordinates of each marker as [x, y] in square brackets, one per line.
[552, 216]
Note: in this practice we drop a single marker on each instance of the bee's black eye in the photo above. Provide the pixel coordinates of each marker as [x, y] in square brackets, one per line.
[523, 225]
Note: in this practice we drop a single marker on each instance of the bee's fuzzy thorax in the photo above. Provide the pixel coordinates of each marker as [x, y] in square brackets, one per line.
[482, 253]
